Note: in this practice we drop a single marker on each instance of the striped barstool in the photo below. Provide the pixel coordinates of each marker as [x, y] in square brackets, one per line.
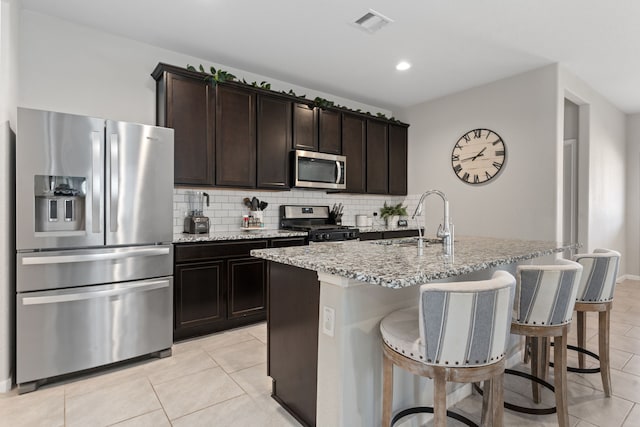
[458, 333]
[595, 293]
[544, 302]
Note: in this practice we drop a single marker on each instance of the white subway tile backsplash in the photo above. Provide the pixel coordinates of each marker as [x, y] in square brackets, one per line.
[226, 208]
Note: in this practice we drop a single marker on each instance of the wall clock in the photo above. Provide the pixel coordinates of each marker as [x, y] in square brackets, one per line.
[478, 156]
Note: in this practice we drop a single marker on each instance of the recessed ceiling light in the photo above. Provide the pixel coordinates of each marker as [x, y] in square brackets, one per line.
[403, 65]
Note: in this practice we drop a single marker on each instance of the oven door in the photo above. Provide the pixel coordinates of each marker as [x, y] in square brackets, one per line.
[319, 170]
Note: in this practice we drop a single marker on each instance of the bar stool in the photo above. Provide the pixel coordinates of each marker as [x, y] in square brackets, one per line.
[458, 333]
[544, 302]
[595, 293]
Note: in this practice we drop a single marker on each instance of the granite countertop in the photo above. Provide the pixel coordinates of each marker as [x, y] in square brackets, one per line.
[235, 235]
[395, 263]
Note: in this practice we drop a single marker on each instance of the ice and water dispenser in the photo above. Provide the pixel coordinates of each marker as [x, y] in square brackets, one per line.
[60, 203]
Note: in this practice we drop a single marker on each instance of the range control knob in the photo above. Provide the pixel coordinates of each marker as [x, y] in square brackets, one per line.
[326, 236]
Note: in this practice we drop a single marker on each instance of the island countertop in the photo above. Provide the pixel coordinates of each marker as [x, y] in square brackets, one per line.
[395, 263]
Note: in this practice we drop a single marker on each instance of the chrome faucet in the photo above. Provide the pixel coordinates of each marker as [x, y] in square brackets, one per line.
[445, 230]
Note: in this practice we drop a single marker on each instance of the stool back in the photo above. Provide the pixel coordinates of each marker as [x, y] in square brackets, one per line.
[546, 294]
[466, 323]
[598, 280]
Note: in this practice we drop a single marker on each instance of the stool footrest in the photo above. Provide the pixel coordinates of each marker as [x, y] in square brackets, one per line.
[581, 370]
[429, 410]
[523, 409]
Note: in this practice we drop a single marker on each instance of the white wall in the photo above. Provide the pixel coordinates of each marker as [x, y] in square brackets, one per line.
[521, 201]
[633, 195]
[75, 69]
[9, 20]
[603, 134]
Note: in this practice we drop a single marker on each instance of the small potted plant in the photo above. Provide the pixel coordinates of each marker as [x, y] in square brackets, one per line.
[391, 213]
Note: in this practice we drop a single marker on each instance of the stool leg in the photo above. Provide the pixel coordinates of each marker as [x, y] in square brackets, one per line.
[485, 419]
[536, 367]
[527, 349]
[582, 330]
[560, 377]
[387, 389]
[497, 385]
[492, 407]
[603, 350]
[439, 399]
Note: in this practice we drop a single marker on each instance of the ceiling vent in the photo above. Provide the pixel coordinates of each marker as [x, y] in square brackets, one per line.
[372, 21]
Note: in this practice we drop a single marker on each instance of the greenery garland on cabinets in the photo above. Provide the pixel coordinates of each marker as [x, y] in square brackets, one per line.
[219, 76]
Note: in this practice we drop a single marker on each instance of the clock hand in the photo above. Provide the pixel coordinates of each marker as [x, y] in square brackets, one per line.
[479, 154]
[472, 158]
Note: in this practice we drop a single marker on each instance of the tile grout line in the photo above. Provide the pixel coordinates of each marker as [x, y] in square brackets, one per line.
[164, 411]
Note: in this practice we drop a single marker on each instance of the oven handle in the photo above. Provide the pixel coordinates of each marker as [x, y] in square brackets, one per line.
[79, 296]
[62, 259]
[339, 172]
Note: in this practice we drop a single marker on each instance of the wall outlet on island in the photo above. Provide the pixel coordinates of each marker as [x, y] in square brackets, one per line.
[328, 320]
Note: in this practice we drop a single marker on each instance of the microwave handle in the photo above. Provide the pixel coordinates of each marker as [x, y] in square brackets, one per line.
[339, 173]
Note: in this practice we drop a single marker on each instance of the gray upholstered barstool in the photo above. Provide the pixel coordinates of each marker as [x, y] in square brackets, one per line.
[458, 333]
[544, 302]
[595, 293]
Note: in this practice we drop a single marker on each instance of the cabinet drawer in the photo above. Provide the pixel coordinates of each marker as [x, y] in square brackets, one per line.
[375, 235]
[292, 241]
[202, 251]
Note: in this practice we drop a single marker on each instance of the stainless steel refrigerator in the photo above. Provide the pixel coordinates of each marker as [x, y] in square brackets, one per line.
[94, 220]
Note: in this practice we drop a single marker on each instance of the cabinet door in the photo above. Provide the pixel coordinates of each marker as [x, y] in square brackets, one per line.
[274, 142]
[305, 127]
[397, 160]
[377, 157]
[235, 137]
[199, 297]
[188, 112]
[329, 132]
[354, 148]
[247, 287]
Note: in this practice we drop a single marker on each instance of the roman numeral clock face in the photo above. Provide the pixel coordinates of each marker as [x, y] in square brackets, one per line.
[478, 156]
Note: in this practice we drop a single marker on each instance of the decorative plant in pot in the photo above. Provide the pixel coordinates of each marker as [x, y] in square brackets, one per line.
[391, 213]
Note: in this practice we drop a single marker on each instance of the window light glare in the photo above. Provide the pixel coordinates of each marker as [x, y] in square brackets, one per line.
[403, 65]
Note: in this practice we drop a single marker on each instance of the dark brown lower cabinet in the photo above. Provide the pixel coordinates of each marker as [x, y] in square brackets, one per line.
[247, 287]
[218, 286]
[294, 298]
[199, 295]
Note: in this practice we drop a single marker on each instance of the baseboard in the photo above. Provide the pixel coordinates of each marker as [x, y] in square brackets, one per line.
[5, 386]
[627, 277]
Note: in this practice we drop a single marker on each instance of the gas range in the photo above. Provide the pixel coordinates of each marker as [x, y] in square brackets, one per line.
[315, 220]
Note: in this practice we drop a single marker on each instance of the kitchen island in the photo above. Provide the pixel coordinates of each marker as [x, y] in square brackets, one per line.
[326, 302]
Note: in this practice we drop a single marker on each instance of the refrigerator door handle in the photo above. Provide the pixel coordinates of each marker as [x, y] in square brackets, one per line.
[115, 178]
[78, 296]
[61, 259]
[96, 186]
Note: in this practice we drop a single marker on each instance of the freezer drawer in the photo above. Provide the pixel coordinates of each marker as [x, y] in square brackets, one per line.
[59, 332]
[39, 271]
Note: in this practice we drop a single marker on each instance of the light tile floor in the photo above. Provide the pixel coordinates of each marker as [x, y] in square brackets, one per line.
[220, 380]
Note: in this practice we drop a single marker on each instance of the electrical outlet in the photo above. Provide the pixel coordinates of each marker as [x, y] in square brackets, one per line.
[328, 320]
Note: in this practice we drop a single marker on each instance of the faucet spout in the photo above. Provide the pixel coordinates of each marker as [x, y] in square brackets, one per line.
[444, 230]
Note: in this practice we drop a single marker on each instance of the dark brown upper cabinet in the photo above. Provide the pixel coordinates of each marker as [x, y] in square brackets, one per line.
[235, 136]
[329, 131]
[397, 160]
[185, 103]
[305, 127]
[354, 147]
[377, 157]
[274, 142]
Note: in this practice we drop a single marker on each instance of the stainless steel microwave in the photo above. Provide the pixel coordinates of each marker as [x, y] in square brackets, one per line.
[319, 170]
